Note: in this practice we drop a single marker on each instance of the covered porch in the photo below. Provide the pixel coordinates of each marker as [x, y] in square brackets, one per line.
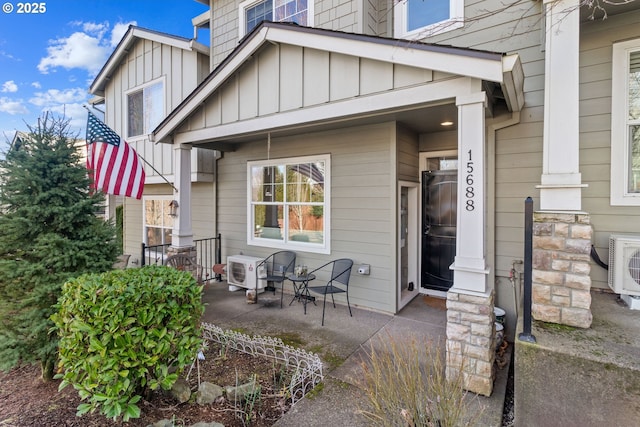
[362, 106]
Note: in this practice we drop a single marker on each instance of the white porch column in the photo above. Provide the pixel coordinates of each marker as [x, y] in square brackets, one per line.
[470, 270]
[182, 236]
[470, 321]
[561, 187]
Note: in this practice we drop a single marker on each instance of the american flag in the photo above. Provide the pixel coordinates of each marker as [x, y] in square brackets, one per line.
[112, 163]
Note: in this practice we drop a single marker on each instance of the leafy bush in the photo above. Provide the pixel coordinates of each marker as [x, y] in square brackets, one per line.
[125, 332]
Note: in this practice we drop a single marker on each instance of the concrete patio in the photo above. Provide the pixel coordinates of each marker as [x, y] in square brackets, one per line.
[341, 344]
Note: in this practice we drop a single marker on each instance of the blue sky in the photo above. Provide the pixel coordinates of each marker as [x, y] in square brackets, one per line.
[49, 59]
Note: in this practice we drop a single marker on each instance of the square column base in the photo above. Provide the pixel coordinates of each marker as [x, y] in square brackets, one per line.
[471, 339]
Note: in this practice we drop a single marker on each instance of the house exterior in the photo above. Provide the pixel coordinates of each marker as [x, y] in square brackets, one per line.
[147, 76]
[407, 140]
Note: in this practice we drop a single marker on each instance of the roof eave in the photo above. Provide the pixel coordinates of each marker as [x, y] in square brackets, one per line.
[122, 49]
[482, 65]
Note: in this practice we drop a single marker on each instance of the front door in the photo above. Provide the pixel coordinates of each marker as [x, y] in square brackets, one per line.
[439, 212]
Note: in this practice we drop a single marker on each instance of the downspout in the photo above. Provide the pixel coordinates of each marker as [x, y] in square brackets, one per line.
[493, 128]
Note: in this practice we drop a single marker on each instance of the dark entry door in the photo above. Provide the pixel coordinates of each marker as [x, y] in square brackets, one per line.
[439, 210]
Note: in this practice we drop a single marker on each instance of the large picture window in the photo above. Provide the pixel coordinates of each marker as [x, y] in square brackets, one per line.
[253, 12]
[625, 124]
[288, 203]
[415, 19]
[145, 109]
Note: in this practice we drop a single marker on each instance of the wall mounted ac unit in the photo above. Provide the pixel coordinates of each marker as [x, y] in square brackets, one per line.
[241, 273]
[624, 264]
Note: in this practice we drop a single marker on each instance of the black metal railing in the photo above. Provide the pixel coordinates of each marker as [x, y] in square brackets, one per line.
[208, 253]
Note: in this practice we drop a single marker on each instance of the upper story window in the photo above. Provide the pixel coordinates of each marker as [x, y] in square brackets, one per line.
[415, 19]
[145, 109]
[288, 203]
[253, 12]
[625, 124]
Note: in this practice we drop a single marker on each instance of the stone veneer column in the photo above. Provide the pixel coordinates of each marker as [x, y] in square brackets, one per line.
[471, 340]
[561, 280]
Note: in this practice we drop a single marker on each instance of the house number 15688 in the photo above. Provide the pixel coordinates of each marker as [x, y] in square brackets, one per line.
[470, 190]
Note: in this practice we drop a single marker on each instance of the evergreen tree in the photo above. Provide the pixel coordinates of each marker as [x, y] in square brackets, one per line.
[49, 232]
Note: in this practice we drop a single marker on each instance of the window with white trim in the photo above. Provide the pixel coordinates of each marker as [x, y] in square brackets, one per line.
[289, 203]
[415, 19]
[158, 224]
[625, 124]
[145, 109]
[253, 12]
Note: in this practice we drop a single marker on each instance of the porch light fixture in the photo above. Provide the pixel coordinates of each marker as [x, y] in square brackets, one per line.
[173, 208]
[446, 123]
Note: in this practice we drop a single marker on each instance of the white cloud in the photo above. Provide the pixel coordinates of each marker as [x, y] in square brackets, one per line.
[36, 85]
[94, 28]
[79, 50]
[12, 107]
[55, 97]
[118, 31]
[9, 86]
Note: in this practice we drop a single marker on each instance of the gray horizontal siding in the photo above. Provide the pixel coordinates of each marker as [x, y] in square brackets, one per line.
[362, 203]
[595, 137]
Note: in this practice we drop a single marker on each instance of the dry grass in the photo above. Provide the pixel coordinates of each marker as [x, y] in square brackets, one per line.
[405, 385]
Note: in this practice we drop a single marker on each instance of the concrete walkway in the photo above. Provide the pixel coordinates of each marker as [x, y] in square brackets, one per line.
[341, 343]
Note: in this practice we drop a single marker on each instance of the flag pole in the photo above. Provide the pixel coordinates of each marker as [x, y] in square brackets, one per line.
[145, 160]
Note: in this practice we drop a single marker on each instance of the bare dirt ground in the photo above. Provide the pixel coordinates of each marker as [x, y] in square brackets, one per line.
[25, 400]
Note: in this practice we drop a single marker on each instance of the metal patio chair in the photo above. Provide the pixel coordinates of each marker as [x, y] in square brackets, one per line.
[185, 262]
[338, 282]
[277, 266]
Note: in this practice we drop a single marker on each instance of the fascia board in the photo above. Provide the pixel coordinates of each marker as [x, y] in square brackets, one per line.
[513, 82]
[463, 65]
[123, 48]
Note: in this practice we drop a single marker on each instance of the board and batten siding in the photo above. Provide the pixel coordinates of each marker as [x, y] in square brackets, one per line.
[180, 71]
[362, 203]
[284, 78]
[597, 38]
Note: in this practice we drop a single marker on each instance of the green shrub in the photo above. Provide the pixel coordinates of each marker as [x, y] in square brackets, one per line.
[125, 332]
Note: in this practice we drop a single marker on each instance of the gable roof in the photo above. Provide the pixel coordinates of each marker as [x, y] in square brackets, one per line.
[505, 70]
[132, 35]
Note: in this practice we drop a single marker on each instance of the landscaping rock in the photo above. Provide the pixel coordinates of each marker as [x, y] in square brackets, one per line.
[211, 424]
[181, 391]
[208, 393]
[239, 393]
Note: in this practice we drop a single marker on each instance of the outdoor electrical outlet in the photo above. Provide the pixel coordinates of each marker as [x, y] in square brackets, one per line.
[363, 269]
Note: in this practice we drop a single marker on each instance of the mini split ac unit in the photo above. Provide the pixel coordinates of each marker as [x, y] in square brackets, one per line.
[241, 273]
[624, 264]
